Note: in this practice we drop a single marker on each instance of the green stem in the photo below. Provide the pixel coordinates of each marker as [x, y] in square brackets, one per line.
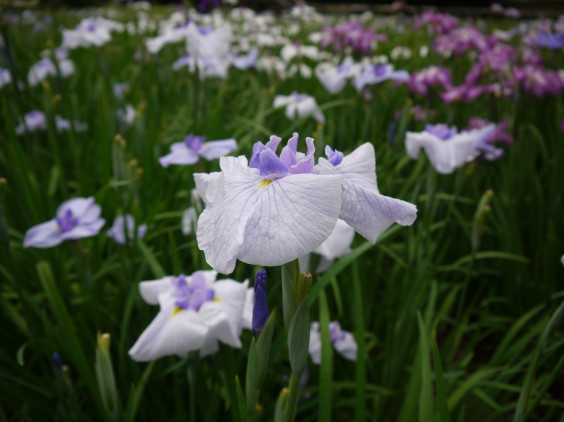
[292, 397]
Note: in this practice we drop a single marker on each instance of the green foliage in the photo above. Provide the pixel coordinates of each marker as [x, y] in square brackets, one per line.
[457, 317]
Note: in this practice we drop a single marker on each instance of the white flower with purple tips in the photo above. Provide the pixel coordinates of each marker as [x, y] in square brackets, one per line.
[299, 105]
[274, 209]
[334, 78]
[195, 313]
[194, 147]
[76, 218]
[343, 342]
[445, 147]
[124, 228]
[375, 74]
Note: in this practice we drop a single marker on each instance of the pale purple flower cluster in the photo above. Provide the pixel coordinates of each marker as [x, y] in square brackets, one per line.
[351, 34]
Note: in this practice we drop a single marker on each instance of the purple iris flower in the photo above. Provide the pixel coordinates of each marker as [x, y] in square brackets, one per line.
[194, 147]
[552, 41]
[75, 219]
[260, 310]
[351, 34]
[420, 82]
[539, 81]
[438, 23]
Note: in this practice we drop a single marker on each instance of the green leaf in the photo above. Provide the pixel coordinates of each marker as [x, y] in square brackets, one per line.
[426, 411]
[344, 262]
[522, 405]
[136, 394]
[263, 346]
[326, 369]
[156, 268]
[441, 397]
[240, 401]
[69, 335]
[289, 292]
[298, 338]
[251, 379]
[105, 376]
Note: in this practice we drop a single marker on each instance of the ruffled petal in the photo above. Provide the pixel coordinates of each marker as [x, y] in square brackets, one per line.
[267, 223]
[364, 208]
[44, 235]
[233, 296]
[220, 323]
[209, 187]
[170, 333]
[150, 290]
[215, 149]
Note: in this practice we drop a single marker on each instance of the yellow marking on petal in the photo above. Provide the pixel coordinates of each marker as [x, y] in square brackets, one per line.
[216, 299]
[262, 184]
[177, 309]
